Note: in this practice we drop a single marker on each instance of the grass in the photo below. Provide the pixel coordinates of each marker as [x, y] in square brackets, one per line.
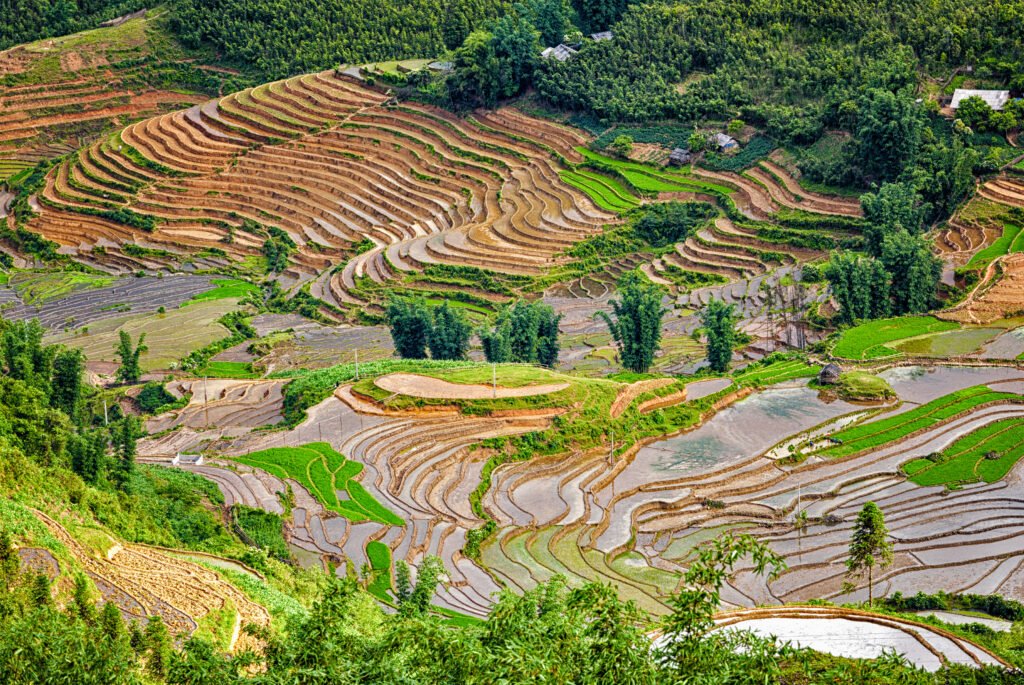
[869, 340]
[859, 386]
[1012, 240]
[874, 434]
[986, 454]
[606, 193]
[170, 336]
[769, 372]
[650, 179]
[37, 287]
[379, 555]
[325, 473]
[264, 528]
[949, 343]
[226, 287]
[228, 370]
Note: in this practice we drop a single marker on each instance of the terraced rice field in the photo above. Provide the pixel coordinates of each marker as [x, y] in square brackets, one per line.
[987, 454]
[888, 430]
[145, 582]
[333, 163]
[999, 295]
[67, 91]
[634, 520]
[871, 340]
[326, 474]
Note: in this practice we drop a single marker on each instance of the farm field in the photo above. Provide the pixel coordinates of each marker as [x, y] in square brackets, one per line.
[988, 454]
[871, 340]
[170, 336]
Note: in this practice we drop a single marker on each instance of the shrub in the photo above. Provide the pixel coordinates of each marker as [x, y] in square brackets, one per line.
[153, 396]
[672, 222]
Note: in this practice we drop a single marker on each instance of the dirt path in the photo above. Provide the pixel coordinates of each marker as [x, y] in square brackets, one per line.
[634, 390]
[437, 389]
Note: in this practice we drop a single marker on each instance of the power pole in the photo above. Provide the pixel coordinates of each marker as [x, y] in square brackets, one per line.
[494, 381]
[106, 420]
[206, 400]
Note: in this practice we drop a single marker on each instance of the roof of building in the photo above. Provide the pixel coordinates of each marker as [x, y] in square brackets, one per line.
[602, 35]
[830, 373]
[681, 153]
[560, 52]
[723, 140]
[441, 66]
[996, 99]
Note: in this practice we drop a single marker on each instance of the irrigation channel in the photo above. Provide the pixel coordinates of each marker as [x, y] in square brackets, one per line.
[635, 522]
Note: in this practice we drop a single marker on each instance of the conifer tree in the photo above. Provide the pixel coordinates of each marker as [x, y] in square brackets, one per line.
[870, 545]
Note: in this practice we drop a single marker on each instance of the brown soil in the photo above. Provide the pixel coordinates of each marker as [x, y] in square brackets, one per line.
[426, 387]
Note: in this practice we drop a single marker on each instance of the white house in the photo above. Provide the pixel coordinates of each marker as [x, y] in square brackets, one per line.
[996, 99]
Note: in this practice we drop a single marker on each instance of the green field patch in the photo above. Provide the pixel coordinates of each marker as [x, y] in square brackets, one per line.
[761, 374]
[37, 287]
[875, 434]
[612, 198]
[986, 454]
[1012, 240]
[228, 370]
[325, 473]
[870, 340]
[948, 343]
[379, 556]
[263, 528]
[227, 287]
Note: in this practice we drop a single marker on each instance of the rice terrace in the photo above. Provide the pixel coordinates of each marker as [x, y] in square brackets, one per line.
[548, 341]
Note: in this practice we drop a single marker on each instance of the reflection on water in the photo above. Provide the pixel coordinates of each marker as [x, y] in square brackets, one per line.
[923, 384]
[743, 430]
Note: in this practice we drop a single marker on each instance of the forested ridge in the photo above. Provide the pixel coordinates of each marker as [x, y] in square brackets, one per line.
[22, 21]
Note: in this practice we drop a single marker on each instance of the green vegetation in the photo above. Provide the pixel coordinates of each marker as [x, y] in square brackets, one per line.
[636, 326]
[262, 528]
[524, 333]
[227, 288]
[606, 192]
[1012, 240]
[870, 546]
[416, 326]
[874, 434]
[986, 454]
[719, 322]
[775, 368]
[325, 473]
[869, 340]
[37, 287]
[667, 223]
[228, 370]
[36, 19]
[857, 386]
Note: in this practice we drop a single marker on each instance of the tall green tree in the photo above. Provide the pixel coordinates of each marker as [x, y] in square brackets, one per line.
[410, 323]
[67, 383]
[914, 272]
[525, 332]
[887, 135]
[450, 333]
[869, 545]
[124, 435]
[894, 207]
[636, 322]
[414, 598]
[719, 322]
[551, 18]
[130, 370]
[495, 64]
[860, 286]
[87, 450]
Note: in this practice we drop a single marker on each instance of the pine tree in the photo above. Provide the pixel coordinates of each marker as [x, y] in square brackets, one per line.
[869, 546]
[719, 321]
[636, 327]
[124, 434]
[66, 382]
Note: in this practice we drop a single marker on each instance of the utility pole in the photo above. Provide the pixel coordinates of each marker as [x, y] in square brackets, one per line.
[206, 400]
[106, 420]
[494, 381]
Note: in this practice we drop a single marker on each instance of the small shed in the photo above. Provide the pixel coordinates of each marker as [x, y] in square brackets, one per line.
[561, 52]
[996, 99]
[680, 157]
[725, 142]
[443, 67]
[602, 35]
[829, 374]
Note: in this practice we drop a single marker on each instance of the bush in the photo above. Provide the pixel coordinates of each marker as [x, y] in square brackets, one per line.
[153, 396]
[672, 222]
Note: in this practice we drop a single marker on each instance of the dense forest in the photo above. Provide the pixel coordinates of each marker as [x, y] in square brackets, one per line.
[28, 20]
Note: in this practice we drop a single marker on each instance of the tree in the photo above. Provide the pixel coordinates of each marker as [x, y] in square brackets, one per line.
[894, 207]
[87, 450]
[410, 323]
[636, 327]
[66, 383]
[622, 145]
[860, 286]
[551, 18]
[414, 598]
[526, 332]
[887, 135]
[665, 223]
[125, 433]
[130, 371]
[719, 321]
[277, 249]
[914, 272]
[735, 127]
[869, 545]
[450, 333]
[157, 640]
[153, 396]
[975, 112]
[597, 15]
[496, 64]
